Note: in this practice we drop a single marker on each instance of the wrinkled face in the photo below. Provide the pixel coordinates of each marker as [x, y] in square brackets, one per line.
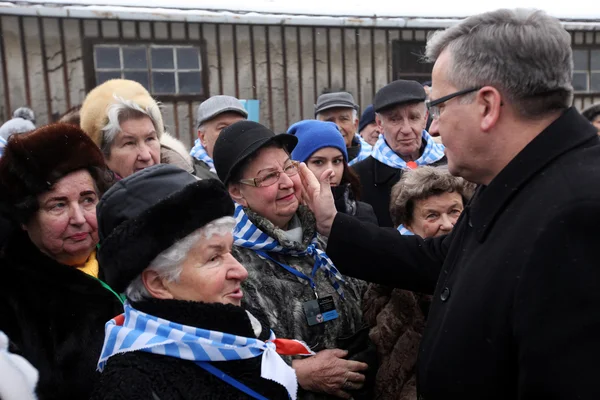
[345, 120]
[436, 215]
[212, 128]
[402, 127]
[324, 159]
[596, 123]
[277, 202]
[209, 273]
[134, 148]
[65, 227]
[467, 149]
[370, 133]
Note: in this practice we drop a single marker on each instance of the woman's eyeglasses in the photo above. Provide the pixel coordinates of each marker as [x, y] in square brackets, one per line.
[290, 169]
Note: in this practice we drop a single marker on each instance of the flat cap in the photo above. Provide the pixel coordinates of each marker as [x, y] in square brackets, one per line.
[397, 93]
[216, 105]
[334, 100]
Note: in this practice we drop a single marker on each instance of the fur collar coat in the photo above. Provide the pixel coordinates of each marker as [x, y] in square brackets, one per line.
[54, 315]
[280, 295]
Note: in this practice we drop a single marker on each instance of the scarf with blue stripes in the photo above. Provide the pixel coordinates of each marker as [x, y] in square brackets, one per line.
[137, 331]
[199, 152]
[2, 145]
[365, 151]
[383, 153]
[248, 235]
[403, 231]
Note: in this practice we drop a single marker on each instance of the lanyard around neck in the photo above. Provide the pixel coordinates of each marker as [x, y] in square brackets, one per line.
[208, 367]
[295, 271]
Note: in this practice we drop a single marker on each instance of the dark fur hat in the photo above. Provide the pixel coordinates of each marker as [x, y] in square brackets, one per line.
[133, 244]
[34, 161]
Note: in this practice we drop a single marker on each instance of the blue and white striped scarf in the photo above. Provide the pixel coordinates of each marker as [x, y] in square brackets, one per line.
[199, 152]
[365, 151]
[403, 231]
[143, 332]
[433, 152]
[2, 145]
[246, 234]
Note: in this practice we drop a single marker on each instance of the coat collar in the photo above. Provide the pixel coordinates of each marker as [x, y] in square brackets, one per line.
[570, 130]
[212, 316]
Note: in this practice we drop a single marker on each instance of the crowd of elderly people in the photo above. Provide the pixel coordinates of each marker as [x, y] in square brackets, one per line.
[134, 269]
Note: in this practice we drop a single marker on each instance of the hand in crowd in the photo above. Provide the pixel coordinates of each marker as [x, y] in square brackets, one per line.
[327, 372]
[318, 197]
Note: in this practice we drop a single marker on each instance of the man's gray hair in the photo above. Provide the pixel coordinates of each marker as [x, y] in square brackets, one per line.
[525, 54]
[123, 110]
[422, 183]
[169, 263]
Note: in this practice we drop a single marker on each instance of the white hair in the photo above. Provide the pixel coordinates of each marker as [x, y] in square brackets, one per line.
[169, 263]
[122, 110]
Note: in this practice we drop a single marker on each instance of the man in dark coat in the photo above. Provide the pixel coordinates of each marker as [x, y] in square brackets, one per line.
[401, 116]
[517, 283]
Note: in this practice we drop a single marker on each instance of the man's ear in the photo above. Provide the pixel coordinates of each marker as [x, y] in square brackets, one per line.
[202, 137]
[235, 191]
[489, 101]
[155, 285]
[356, 123]
[378, 122]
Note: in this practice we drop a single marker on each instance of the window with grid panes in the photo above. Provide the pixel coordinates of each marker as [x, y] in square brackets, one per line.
[162, 69]
[586, 70]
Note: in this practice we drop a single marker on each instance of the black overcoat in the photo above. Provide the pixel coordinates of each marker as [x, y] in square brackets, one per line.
[55, 316]
[377, 180]
[516, 284]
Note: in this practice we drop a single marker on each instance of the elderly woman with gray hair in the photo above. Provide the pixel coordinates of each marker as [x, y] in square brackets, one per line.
[427, 201]
[291, 279]
[126, 123]
[165, 240]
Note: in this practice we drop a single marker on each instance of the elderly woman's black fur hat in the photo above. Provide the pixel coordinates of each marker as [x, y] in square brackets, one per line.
[149, 211]
[34, 161]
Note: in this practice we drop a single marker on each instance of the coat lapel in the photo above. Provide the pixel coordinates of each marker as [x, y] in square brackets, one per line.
[569, 131]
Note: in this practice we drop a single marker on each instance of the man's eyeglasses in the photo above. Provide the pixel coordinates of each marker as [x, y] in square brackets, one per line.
[433, 105]
[290, 169]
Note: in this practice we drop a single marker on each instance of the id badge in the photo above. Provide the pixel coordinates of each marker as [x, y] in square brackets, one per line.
[320, 310]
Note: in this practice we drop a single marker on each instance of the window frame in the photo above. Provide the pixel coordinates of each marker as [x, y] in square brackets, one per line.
[396, 52]
[89, 67]
[589, 70]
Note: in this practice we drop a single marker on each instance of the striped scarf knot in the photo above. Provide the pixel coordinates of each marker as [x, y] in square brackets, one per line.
[248, 235]
[135, 330]
[199, 152]
[383, 153]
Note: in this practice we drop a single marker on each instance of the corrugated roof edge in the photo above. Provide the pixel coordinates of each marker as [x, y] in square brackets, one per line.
[171, 14]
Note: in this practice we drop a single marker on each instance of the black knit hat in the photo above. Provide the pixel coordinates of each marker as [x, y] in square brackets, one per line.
[367, 117]
[397, 93]
[148, 227]
[240, 140]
